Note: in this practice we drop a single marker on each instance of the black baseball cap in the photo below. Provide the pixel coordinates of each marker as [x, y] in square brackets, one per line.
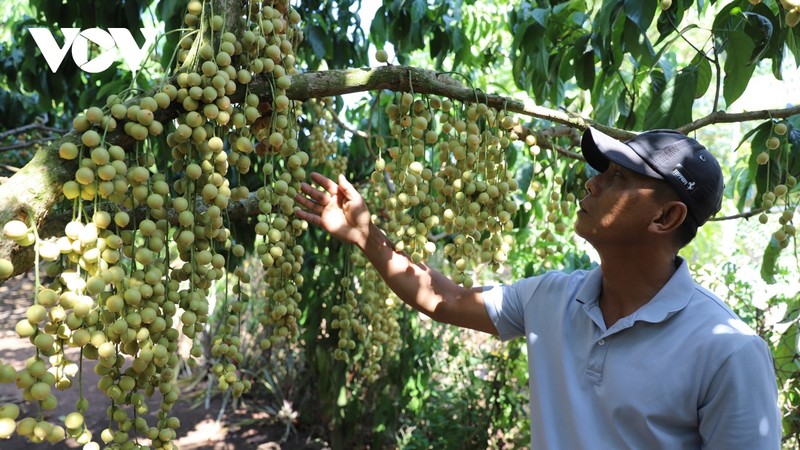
[668, 155]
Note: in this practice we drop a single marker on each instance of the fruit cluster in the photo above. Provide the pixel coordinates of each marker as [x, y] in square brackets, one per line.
[447, 170]
[146, 245]
[778, 195]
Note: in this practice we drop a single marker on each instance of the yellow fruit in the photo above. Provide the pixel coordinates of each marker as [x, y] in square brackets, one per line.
[7, 427]
[90, 138]
[793, 16]
[381, 56]
[666, 4]
[284, 82]
[9, 411]
[217, 22]
[15, 229]
[84, 176]
[6, 268]
[73, 420]
[40, 390]
[195, 7]
[36, 314]
[773, 143]
[7, 373]
[68, 151]
[790, 4]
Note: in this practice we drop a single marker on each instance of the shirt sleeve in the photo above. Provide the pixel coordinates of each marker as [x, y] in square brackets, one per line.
[740, 406]
[506, 306]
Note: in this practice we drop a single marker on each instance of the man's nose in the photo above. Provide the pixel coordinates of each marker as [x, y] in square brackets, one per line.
[591, 185]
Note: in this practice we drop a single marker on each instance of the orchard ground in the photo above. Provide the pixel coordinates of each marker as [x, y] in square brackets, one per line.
[199, 428]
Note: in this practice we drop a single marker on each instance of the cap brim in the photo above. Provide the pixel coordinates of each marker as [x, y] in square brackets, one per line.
[599, 148]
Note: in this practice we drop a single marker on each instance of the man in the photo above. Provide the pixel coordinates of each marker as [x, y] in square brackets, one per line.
[630, 355]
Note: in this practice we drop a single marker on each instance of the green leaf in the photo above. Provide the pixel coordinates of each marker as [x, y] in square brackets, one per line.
[728, 19]
[540, 15]
[606, 110]
[439, 47]
[739, 187]
[769, 261]
[738, 69]
[316, 38]
[704, 75]
[640, 12]
[377, 29]
[650, 84]
[341, 400]
[748, 134]
[793, 43]
[524, 176]
[759, 28]
[669, 20]
[583, 62]
[673, 107]
[418, 10]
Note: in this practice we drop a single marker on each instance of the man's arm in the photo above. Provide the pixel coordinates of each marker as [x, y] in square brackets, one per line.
[341, 211]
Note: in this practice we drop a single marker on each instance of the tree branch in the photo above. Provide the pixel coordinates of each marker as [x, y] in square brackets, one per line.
[25, 144]
[346, 127]
[30, 127]
[724, 117]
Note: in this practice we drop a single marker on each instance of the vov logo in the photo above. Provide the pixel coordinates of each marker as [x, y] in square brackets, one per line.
[112, 43]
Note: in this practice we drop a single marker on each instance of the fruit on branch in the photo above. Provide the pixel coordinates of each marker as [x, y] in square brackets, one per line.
[127, 285]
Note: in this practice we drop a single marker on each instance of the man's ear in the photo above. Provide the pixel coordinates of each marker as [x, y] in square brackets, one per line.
[671, 216]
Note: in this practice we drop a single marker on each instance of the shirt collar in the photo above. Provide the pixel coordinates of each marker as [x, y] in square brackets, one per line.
[673, 296]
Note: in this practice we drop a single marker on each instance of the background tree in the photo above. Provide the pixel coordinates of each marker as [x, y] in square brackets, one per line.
[174, 185]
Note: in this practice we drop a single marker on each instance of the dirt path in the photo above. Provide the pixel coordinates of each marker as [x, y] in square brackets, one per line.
[199, 428]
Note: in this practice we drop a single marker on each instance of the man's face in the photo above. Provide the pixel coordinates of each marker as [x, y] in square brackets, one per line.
[618, 208]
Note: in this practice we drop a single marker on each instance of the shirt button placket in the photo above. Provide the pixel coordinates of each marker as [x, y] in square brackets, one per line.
[597, 358]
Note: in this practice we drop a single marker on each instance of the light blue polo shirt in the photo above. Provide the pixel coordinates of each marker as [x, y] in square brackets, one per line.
[682, 372]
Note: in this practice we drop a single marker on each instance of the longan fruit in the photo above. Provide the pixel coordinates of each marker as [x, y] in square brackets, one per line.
[7, 427]
[68, 151]
[40, 390]
[15, 229]
[217, 22]
[94, 115]
[121, 219]
[90, 138]
[284, 82]
[773, 143]
[36, 314]
[6, 268]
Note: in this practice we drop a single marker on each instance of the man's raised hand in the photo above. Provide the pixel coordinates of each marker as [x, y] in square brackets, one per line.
[339, 209]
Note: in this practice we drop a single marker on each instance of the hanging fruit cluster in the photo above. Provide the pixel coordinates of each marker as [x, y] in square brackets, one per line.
[447, 170]
[322, 137]
[142, 251]
[378, 317]
[776, 197]
[552, 195]
[365, 318]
